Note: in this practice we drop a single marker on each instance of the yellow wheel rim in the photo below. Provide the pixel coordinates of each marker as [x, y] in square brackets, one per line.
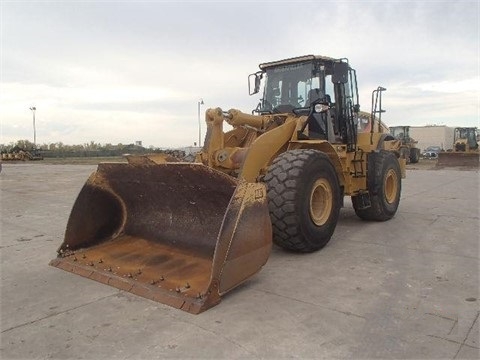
[321, 202]
[391, 186]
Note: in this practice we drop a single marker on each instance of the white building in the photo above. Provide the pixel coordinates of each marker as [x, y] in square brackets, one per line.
[433, 135]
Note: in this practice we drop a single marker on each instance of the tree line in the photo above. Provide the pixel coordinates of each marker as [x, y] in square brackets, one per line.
[91, 149]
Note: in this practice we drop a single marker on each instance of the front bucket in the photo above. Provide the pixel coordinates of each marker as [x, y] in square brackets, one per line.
[462, 159]
[181, 234]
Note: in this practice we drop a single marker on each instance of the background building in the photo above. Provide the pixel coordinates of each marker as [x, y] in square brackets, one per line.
[433, 135]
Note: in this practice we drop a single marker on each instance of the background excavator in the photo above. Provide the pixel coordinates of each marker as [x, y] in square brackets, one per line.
[184, 234]
[465, 151]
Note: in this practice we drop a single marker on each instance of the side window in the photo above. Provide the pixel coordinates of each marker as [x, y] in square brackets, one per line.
[302, 92]
[277, 94]
[329, 87]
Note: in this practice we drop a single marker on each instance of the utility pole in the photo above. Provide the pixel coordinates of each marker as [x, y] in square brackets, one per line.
[200, 102]
[33, 108]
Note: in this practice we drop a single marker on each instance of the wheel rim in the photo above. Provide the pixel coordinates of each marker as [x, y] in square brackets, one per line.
[391, 186]
[321, 200]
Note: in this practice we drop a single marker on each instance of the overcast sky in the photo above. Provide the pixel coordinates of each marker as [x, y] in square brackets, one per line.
[122, 71]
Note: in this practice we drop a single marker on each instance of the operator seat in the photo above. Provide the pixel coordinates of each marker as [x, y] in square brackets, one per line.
[321, 127]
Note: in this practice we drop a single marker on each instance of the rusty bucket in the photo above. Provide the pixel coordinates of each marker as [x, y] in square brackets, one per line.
[181, 234]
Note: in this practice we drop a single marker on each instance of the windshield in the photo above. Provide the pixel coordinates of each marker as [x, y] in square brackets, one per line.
[292, 85]
[472, 137]
[399, 132]
[469, 134]
[462, 133]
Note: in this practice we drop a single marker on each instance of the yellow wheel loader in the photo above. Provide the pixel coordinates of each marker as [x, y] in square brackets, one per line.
[184, 234]
[407, 145]
[465, 150]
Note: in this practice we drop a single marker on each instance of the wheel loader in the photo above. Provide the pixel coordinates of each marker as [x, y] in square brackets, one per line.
[407, 145]
[465, 151]
[184, 234]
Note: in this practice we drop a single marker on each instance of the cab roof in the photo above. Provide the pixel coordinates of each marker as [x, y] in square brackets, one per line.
[298, 59]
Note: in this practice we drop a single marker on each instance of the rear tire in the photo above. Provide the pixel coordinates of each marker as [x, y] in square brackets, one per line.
[384, 185]
[414, 155]
[304, 199]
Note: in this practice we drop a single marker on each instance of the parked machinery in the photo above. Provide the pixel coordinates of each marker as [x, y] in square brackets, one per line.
[20, 154]
[465, 140]
[407, 145]
[465, 151]
[184, 234]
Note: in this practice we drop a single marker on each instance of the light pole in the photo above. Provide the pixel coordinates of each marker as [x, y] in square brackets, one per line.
[33, 108]
[200, 102]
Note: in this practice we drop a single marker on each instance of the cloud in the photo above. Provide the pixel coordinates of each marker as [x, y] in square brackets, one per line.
[126, 71]
[451, 87]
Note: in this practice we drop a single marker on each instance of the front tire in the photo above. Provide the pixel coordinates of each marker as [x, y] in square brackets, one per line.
[384, 186]
[304, 199]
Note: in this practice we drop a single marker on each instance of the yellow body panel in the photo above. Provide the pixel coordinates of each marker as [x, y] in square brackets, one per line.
[270, 135]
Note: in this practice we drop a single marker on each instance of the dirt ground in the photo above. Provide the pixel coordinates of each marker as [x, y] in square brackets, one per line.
[423, 164]
[431, 164]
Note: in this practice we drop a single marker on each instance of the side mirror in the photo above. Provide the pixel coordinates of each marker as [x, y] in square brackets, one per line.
[340, 73]
[254, 81]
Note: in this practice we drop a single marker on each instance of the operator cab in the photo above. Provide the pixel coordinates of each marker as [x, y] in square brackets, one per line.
[469, 137]
[401, 133]
[299, 85]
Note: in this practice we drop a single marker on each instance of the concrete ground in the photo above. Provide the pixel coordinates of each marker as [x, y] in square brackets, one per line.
[407, 288]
